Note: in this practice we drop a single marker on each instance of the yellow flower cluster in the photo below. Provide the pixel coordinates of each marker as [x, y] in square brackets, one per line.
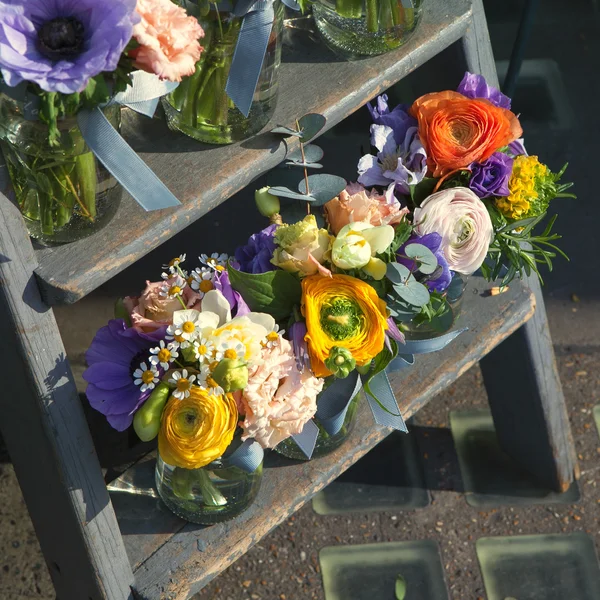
[527, 170]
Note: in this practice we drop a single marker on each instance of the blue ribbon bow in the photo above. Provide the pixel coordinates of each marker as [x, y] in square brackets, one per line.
[248, 456]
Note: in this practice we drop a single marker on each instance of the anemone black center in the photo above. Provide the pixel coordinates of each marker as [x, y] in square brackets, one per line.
[61, 38]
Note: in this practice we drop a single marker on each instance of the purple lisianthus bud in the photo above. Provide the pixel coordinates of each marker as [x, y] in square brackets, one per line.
[394, 332]
[255, 256]
[517, 148]
[490, 177]
[299, 346]
[475, 87]
[433, 241]
[223, 285]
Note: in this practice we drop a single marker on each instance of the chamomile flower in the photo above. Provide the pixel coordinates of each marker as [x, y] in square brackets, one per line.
[163, 355]
[183, 383]
[176, 340]
[187, 324]
[173, 288]
[204, 350]
[215, 261]
[146, 377]
[174, 263]
[202, 280]
[210, 384]
[230, 348]
[273, 337]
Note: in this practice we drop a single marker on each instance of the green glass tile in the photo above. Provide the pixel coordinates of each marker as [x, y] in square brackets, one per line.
[540, 567]
[597, 417]
[490, 476]
[369, 571]
[390, 477]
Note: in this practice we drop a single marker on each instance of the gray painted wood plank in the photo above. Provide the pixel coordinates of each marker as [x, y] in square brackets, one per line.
[172, 559]
[47, 437]
[312, 80]
[531, 420]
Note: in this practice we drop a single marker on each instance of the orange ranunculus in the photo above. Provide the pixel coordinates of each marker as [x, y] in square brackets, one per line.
[457, 131]
[342, 311]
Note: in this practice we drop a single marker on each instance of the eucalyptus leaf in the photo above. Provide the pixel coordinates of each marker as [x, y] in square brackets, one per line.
[323, 187]
[397, 273]
[310, 125]
[285, 192]
[413, 292]
[286, 131]
[312, 154]
[305, 165]
[427, 262]
[274, 292]
[400, 588]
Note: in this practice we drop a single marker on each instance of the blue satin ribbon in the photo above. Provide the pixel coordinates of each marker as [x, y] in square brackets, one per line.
[117, 155]
[333, 403]
[307, 438]
[248, 456]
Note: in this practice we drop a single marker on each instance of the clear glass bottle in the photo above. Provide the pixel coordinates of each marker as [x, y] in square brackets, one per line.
[212, 494]
[63, 191]
[200, 106]
[357, 28]
[325, 443]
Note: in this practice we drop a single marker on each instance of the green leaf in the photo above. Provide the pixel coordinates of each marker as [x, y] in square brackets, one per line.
[310, 125]
[323, 187]
[286, 131]
[275, 292]
[285, 192]
[312, 154]
[397, 273]
[422, 190]
[413, 292]
[427, 262]
[400, 588]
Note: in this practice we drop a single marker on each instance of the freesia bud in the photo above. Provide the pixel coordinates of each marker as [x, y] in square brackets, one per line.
[146, 421]
[267, 204]
[231, 374]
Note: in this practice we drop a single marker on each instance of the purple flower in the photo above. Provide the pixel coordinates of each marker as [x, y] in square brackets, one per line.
[517, 148]
[255, 256]
[401, 158]
[475, 86]
[398, 119]
[114, 354]
[223, 285]
[297, 334]
[433, 241]
[394, 332]
[61, 44]
[490, 177]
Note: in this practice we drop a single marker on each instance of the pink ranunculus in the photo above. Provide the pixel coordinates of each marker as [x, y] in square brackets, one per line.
[464, 223]
[168, 40]
[151, 311]
[355, 203]
[278, 400]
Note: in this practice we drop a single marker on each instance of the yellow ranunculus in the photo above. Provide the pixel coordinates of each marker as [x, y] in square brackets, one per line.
[196, 430]
[344, 312]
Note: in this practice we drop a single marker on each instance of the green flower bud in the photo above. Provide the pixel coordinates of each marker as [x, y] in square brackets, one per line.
[267, 204]
[146, 421]
[340, 362]
[121, 312]
[231, 374]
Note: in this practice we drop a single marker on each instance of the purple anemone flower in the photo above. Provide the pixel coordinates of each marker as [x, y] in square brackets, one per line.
[490, 177]
[255, 256]
[223, 285]
[475, 86]
[114, 354]
[61, 44]
[402, 163]
[433, 241]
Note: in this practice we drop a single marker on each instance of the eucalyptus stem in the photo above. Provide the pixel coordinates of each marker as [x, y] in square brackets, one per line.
[350, 9]
[372, 9]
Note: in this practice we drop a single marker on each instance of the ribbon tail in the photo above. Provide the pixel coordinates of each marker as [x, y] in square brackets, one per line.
[248, 57]
[144, 93]
[430, 345]
[402, 361]
[383, 403]
[248, 456]
[124, 164]
[333, 403]
[307, 438]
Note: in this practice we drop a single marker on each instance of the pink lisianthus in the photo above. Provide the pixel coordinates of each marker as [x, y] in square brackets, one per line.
[461, 218]
[168, 40]
[279, 399]
[355, 203]
[151, 310]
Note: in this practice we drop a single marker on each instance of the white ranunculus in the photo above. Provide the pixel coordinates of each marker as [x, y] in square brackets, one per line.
[464, 223]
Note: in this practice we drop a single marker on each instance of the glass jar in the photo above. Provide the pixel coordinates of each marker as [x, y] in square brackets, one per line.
[212, 494]
[200, 106]
[430, 329]
[63, 191]
[366, 27]
[325, 443]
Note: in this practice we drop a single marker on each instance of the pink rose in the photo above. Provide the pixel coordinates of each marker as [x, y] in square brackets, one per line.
[355, 203]
[464, 223]
[168, 40]
[279, 399]
[151, 310]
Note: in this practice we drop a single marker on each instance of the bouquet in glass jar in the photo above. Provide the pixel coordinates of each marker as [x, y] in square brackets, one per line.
[57, 60]
[188, 362]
